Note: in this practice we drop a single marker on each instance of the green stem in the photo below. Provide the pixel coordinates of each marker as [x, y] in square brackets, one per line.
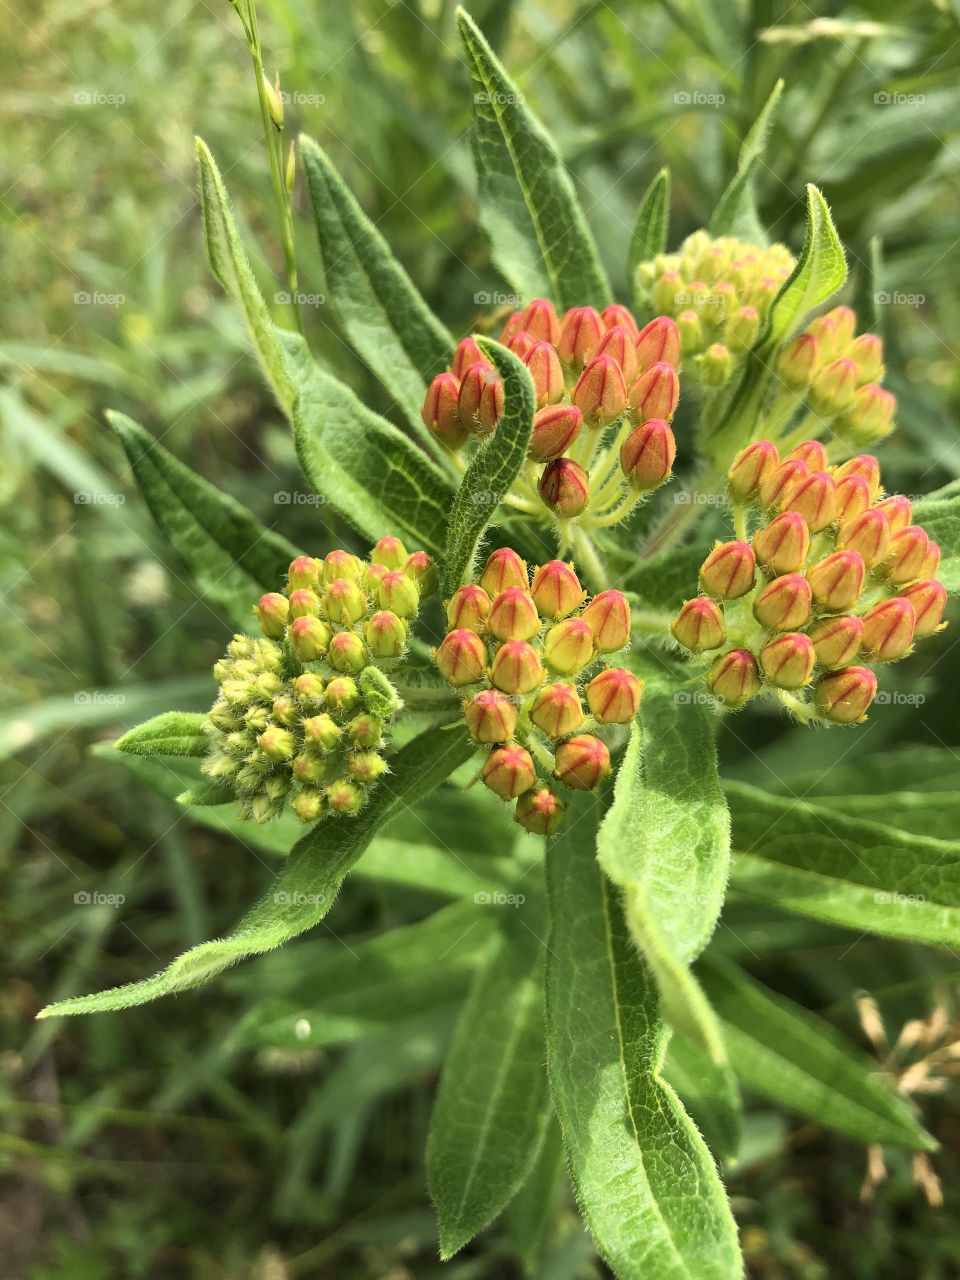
[687, 509]
[588, 559]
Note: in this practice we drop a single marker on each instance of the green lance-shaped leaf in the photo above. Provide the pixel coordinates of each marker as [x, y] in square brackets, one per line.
[709, 1092]
[665, 840]
[232, 558]
[305, 889]
[175, 733]
[382, 313]
[492, 469]
[804, 1064]
[492, 1108]
[736, 213]
[650, 229]
[850, 871]
[231, 266]
[528, 206]
[941, 519]
[646, 1184]
[361, 464]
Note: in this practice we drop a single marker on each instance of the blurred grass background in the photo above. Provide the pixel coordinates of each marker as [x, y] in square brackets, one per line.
[142, 1144]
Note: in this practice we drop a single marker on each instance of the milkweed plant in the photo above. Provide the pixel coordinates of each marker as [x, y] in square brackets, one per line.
[594, 529]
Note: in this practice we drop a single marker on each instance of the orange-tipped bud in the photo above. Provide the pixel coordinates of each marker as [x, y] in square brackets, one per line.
[699, 625]
[491, 405]
[516, 668]
[929, 600]
[557, 710]
[869, 415]
[866, 352]
[582, 762]
[898, 510]
[565, 487]
[668, 291]
[521, 343]
[740, 331]
[837, 640]
[658, 343]
[342, 695]
[836, 582]
[811, 452]
[305, 572]
[468, 608]
[304, 603]
[750, 468]
[441, 411]
[931, 561]
[614, 696]
[908, 550]
[868, 533]
[388, 551]
[832, 389]
[734, 678]
[655, 393]
[365, 731]
[462, 657]
[556, 589]
[508, 771]
[513, 615]
[845, 324]
[344, 797]
[467, 353]
[788, 660]
[490, 716]
[647, 455]
[321, 733]
[503, 569]
[600, 393]
[276, 744]
[544, 365]
[797, 361]
[541, 320]
[853, 497]
[480, 402]
[888, 629]
[366, 767]
[862, 464]
[814, 496]
[539, 811]
[608, 617]
[386, 635]
[421, 568]
[615, 316]
[845, 696]
[399, 594]
[729, 571]
[568, 646]
[581, 332]
[273, 609]
[620, 344]
[782, 545]
[347, 653]
[780, 483]
[309, 689]
[373, 575]
[341, 564]
[310, 638]
[555, 428]
[513, 325]
[784, 604]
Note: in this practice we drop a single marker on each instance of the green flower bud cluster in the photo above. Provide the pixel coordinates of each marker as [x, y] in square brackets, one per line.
[303, 710]
[529, 653]
[835, 573]
[719, 292]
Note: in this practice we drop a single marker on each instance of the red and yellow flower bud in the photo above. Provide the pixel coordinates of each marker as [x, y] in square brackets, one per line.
[582, 762]
[365, 730]
[513, 615]
[853, 497]
[699, 625]
[647, 455]
[869, 415]
[321, 733]
[509, 771]
[616, 315]
[782, 545]
[399, 594]
[462, 657]
[468, 608]
[512, 326]
[544, 366]
[309, 689]
[614, 696]
[837, 640]
[797, 361]
[347, 653]
[441, 411]
[385, 634]
[466, 354]
[929, 600]
[305, 571]
[865, 465]
[555, 428]
[581, 332]
[273, 610]
[784, 604]
[304, 603]
[341, 564]
[310, 638]
[344, 797]
[658, 342]
[655, 393]
[845, 325]
[556, 589]
[490, 716]
[931, 561]
[866, 352]
[557, 710]
[539, 811]
[788, 660]
[521, 343]
[481, 399]
[309, 768]
[503, 569]
[342, 695]
[373, 575]
[608, 617]
[845, 696]
[729, 571]
[836, 582]
[868, 533]
[565, 487]
[619, 343]
[814, 496]
[908, 551]
[734, 678]
[516, 667]
[540, 319]
[308, 804]
[831, 391]
[569, 646]
[888, 629]
[811, 452]
[600, 393]
[776, 487]
[824, 330]
[898, 510]
[344, 602]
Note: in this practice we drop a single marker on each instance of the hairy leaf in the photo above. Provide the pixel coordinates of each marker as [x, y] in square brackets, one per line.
[651, 227]
[736, 213]
[820, 271]
[175, 733]
[942, 522]
[709, 1092]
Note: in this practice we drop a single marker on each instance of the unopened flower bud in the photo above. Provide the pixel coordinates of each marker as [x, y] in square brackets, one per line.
[865, 465]
[490, 408]
[309, 768]
[836, 582]
[503, 569]
[342, 695]
[740, 331]
[784, 604]
[797, 361]
[929, 600]
[256, 719]
[568, 646]
[513, 615]
[600, 393]
[344, 602]
[931, 561]
[272, 610]
[388, 551]
[309, 689]
[814, 496]
[441, 412]
[321, 733]
[544, 366]
[581, 332]
[565, 487]
[782, 545]
[729, 570]
[285, 711]
[276, 743]
[775, 487]
[715, 365]
[845, 696]
[699, 625]
[304, 572]
[347, 653]
[655, 393]
[898, 510]
[690, 329]
[734, 678]
[386, 636]
[853, 497]
[344, 798]
[868, 533]
[265, 685]
[866, 352]
[845, 324]
[608, 616]
[582, 762]
[620, 344]
[365, 730]
[824, 330]
[556, 589]
[750, 468]
[667, 290]
[310, 638]
[615, 315]
[468, 608]
[399, 594]
[273, 98]
[788, 660]
[512, 326]
[304, 603]
[557, 710]
[462, 657]
[658, 343]
[869, 415]
[516, 668]
[888, 629]
[308, 804]
[647, 455]
[837, 640]
[539, 811]
[541, 320]
[811, 452]
[490, 716]
[614, 695]
[467, 353]
[373, 575]
[521, 344]
[421, 568]
[509, 771]
[908, 551]
[832, 389]
[365, 767]
[555, 428]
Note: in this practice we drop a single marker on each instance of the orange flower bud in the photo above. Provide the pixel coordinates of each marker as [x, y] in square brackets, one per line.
[342, 695]
[340, 564]
[655, 393]
[516, 667]
[276, 744]
[699, 625]
[503, 569]
[614, 696]
[421, 568]
[832, 389]
[836, 582]
[616, 316]
[600, 393]
[929, 600]
[540, 319]
[866, 352]
[466, 354]
[441, 411]
[365, 730]
[647, 455]
[386, 635]
[309, 689]
[868, 416]
[729, 570]
[814, 496]
[539, 811]
[568, 646]
[845, 696]
[619, 343]
[750, 468]
[853, 497]
[775, 487]
[608, 617]
[868, 533]
[556, 589]
[513, 325]
[509, 771]
[582, 762]
[544, 365]
[782, 545]
[399, 594]
[462, 657]
[555, 428]
[898, 510]
[837, 640]
[797, 361]
[513, 615]
[366, 767]
[811, 452]
[490, 716]
[304, 571]
[658, 343]
[347, 653]
[468, 608]
[788, 660]
[565, 487]
[862, 464]
[784, 604]
[734, 678]
[845, 324]
[581, 332]
[908, 551]
[521, 343]
[824, 330]
[272, 611]
[310, 638]
[557, 710]
[490, 410]
[888, 629]
[387, 551]
[474, 402]
[304, 603]
[931, 561]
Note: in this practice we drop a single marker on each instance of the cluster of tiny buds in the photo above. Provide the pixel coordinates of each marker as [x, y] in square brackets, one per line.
[591, 370]
[719, 292]
[835, 573]
[303, 709]
[528, 652]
